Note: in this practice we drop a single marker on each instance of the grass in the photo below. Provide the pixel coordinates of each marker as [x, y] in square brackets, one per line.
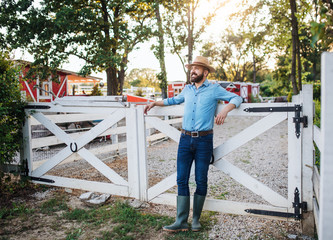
[17, 209]
[74, 234]
[115, 220]
[55, 204]
[127, 222]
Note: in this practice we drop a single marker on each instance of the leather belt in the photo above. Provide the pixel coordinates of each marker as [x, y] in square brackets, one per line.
[197, 133]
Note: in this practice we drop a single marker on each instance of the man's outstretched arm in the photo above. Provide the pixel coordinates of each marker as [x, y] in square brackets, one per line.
[153, 104]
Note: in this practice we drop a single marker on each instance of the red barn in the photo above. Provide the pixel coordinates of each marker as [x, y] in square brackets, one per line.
[46, 90]
[174, 88]
[243, 89]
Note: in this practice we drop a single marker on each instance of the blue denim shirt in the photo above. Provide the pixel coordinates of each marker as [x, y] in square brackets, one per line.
[201, 103]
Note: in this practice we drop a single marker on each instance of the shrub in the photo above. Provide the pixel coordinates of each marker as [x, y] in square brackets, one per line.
[96, 91]
[139, 92]
[11, 112]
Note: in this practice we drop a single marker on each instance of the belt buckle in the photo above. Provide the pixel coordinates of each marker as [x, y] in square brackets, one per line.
[195, 134]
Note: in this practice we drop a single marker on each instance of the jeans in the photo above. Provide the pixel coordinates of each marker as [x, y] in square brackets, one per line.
[199, 149]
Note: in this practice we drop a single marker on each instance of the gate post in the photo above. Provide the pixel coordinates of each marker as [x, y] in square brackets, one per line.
[307, 160]
[136, 153]
[294, 156]
[326, 160]
[26, 156]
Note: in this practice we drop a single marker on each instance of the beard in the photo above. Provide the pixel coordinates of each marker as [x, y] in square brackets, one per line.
[196, 78]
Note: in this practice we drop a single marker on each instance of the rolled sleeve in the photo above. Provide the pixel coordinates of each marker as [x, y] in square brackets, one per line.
[222, 94]
[237, 100]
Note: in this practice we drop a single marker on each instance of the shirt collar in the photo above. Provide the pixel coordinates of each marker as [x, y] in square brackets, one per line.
[205, 83]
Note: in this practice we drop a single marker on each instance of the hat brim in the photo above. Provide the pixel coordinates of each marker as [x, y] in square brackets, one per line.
[211, 69]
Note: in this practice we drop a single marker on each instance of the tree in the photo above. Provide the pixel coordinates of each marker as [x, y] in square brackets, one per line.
[312, 34]
[12, 114]
[159, 50]
[186, 31]
[102, 33]
[220, 55]
[144, 77]
[322, 24]
[296, 59]
[254, 30]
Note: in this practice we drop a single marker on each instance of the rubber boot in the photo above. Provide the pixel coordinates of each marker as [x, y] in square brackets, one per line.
[183, 209]
[198, 202]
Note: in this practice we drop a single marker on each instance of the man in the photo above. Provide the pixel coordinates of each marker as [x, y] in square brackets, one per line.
[196, 141]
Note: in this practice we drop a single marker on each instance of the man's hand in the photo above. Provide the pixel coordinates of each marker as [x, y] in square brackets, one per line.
[148, 107]
[224, 113]
[221, 117]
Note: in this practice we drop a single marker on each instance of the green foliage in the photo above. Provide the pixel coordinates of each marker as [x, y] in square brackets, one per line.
[74, 234]
[162, 77]
[322, 29]
[270, 87]
[317, 91]
[115, 220]
[290, 96]
[178, 16]
[316, 122]
[54, 205]
[102, 33]
[136, 83]
[139, 92]
[254, 99]
[159, 50]
[264, 34]
[144, 77]
[96, 91]
[130, 223]
[17, 209]
[316, 119]
[12, 114]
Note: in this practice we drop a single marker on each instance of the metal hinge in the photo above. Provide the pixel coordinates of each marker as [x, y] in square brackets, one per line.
[37, 107]
[26, 174]
[297, 119]
[297, 205]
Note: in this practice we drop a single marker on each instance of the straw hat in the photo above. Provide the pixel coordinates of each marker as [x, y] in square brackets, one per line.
[201, 61]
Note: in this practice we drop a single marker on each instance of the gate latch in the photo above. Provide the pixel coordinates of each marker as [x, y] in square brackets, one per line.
[297, 119]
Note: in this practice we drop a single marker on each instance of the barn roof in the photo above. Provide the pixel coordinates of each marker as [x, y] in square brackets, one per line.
[227, 85]
[62, 70]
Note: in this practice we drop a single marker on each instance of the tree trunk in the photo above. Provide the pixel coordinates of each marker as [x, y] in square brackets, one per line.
[299, 65]
[189, 39]
[121, 79]
[162, 76]
[112, 81]
[254, 69]
[294, 46]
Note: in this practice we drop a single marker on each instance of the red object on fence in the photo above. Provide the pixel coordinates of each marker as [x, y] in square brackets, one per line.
[131, 98]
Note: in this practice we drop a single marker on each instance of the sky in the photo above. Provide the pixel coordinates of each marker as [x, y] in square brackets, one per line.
[144, 57]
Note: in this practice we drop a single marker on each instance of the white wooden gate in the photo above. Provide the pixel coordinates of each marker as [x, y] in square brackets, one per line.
[300, 158]
[108, 111]
[136, 186]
